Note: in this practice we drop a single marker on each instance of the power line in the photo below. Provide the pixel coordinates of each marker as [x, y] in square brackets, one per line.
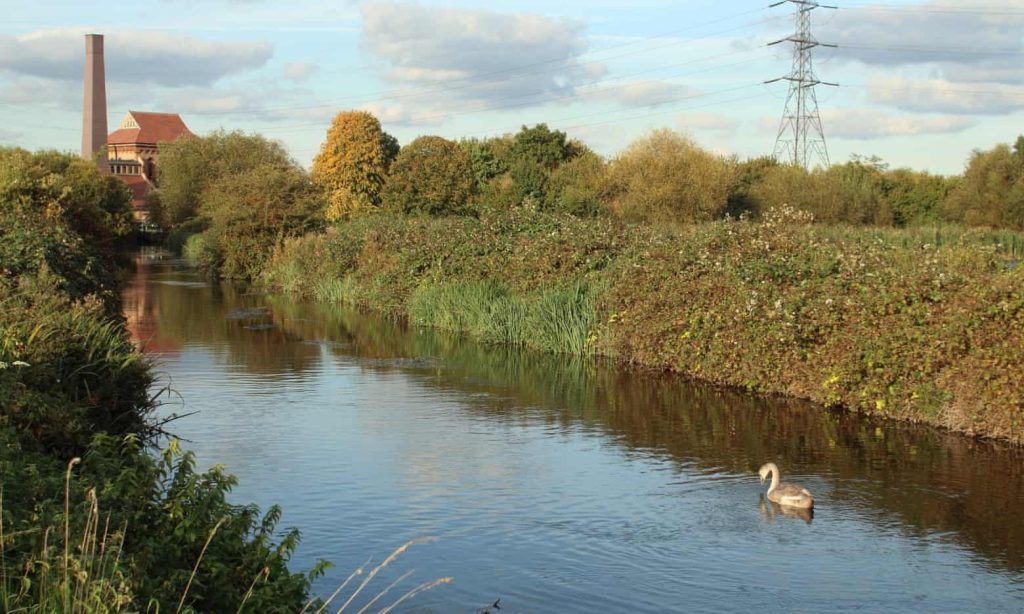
[473, 80]
[801, 136]
[532, 99]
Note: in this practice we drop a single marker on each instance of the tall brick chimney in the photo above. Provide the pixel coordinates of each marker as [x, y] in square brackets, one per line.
[94, 105]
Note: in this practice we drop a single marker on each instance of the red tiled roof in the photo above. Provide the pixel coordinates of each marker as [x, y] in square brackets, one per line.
[139, 187]
[153, 128]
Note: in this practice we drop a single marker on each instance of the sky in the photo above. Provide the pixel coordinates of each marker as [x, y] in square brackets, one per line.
[921, 83]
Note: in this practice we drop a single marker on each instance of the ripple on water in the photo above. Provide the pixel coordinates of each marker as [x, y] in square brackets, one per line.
[560, 489]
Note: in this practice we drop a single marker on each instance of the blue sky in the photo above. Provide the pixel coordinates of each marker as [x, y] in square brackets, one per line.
[922, 83]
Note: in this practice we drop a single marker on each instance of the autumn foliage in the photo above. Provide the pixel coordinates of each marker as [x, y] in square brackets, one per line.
[353, 163]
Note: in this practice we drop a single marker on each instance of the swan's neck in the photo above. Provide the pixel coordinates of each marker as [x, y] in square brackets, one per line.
[775, 477]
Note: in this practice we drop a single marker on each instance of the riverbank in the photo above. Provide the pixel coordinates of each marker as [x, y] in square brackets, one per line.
[924, 326]
[93, 517]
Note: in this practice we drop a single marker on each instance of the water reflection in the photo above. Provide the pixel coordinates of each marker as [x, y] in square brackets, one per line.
[556, 480]
[771, 510]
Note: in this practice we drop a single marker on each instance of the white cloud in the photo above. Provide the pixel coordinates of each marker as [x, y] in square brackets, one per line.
[136, 57]
[957, 38]
[639, 93]
[9, 137]
[298, 71]
[456, 55]
[404, 115]
[942, 96]
[857, 124]
[721, 125]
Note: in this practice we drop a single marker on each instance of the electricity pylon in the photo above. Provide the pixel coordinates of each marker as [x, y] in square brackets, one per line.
[801, 139]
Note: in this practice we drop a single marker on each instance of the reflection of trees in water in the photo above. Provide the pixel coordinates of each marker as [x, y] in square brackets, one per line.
[190, 312]
[934, 481]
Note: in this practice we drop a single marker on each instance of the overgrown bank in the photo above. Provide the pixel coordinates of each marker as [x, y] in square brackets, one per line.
[916, 325]
[90, 519]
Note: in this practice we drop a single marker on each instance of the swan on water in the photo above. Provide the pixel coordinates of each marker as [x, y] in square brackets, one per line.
[785, 494]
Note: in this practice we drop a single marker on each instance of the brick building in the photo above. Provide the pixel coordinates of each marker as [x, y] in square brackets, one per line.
[133, 152]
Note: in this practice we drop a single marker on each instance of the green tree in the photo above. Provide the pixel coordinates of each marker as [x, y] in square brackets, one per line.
[578, 186]
[490, 157]
[188, 165]
[991, 192]
[431, 175]
[915, 198]
[534, 154]
[353, 163]
[253, 211]
[666, 177]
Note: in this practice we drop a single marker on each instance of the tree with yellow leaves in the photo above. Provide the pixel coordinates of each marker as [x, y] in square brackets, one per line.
[353, 164]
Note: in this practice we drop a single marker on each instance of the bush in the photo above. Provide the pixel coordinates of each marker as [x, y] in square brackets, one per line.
[57, 211]
[578, 187]
[66, 189]
[891, 322]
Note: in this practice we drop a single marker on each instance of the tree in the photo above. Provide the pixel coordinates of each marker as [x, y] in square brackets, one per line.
[189, 164]
[253, 211]
[862, 185]
[353, 163]
[916, 197]
[666, 177]
[815, 192]
[535, 153]
[541, 145]
[431, 175]
[992, 190]
[490, 157]
[578, 186]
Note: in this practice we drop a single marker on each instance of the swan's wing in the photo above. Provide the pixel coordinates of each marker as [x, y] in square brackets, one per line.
[792, 492]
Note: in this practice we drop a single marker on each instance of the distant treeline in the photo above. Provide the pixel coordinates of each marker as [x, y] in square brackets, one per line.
[246, 193]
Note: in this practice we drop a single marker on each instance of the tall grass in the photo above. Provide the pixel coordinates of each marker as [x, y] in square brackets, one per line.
[555, 320]
[83, 576]
[83, 572]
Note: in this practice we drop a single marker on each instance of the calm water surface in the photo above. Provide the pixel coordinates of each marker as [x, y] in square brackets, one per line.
[565, 485]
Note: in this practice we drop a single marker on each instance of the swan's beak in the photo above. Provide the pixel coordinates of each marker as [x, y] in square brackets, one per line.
[762, 480]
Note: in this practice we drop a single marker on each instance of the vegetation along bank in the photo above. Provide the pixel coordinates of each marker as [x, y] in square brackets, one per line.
[91, 518]
[887, 291]
[882, 322]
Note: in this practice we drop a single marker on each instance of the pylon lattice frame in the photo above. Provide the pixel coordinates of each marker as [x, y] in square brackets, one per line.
[801, 138]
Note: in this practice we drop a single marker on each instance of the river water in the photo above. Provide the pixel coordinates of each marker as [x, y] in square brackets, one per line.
[564, 485]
